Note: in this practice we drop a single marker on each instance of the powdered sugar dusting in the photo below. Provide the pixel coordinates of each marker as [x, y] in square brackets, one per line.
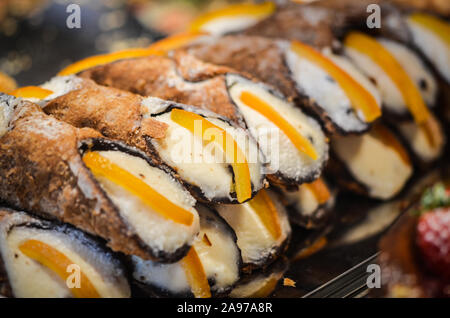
[61, 85]
[314, 16]
[7, 106]
[45, 126]
[154, 105]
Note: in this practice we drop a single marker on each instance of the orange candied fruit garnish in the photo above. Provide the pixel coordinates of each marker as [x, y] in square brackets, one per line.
[301, 143]
[260, 11]
[383, 58]
[361, 99]
[267, 212]
[434, 24]
[58, 263]
[196, 275]
[431, 130]
[320, 190]
[101, 166]
[31, 92]
[229, 146]
[176, 41]
[97, 60]
[389, 139]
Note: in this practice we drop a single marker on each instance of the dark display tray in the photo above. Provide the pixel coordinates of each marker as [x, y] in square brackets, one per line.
[340, 268]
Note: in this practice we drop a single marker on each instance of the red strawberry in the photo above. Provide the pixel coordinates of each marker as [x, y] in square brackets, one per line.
[433, 240]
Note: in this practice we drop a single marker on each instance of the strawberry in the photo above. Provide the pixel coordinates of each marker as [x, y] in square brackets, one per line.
[433, 240]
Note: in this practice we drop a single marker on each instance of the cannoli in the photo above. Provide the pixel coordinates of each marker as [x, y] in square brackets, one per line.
[261, 226]
[312, 24]
[374, 164]
[103, 187]
[293, 143]
[323, 23]
[406, 87]
[44, 259]
[174, 134]
[322, 83]
[232, 18]
[429, 35]
[211, 268]
[262, 283]
[309, 205]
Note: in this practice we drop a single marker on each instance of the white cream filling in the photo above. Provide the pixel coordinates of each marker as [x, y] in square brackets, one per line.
[7, 104]
[377, 220]
[415, 68]
[28, 278]
[253, 237]
[204, 165]
[280, 152]
[433, 47]
[229, 24]
[373, 164]
[419, 142]
[170, 277]
[345, 64]
[304, 200]
[59, 85]
[155, 230]
[318, 85]
[220, 262]
[390, 94]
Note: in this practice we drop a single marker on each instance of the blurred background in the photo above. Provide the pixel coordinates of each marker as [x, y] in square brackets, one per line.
[36, 42]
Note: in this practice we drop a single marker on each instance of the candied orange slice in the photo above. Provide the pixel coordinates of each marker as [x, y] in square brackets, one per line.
[300, 142]
[360, 99]
[32, 92]
[431, 130]
[176, 41]
[433, 24]
[259, 11]
[384, 59]
[243, 185]
[56, 261]
[97, 60]
[196, 276]
[101, 166]
[267, 212]
[390, 140]
[320, 190]
[7, 83]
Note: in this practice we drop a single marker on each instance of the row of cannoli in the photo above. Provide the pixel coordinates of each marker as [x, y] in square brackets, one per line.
[136, 205]
[190, 159]
[48, 259]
